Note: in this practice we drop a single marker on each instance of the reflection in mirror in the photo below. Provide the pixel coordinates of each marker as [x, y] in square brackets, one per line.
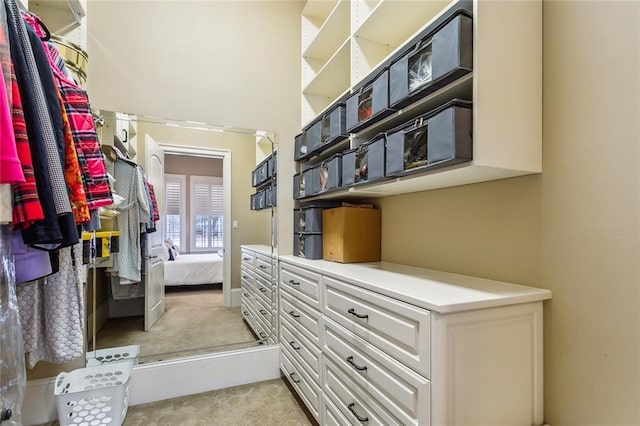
[189, 299]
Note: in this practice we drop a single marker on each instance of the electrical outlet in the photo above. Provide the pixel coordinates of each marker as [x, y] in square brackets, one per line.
[235, 224]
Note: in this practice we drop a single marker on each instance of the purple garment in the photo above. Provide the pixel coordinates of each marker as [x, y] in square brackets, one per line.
[30, 263]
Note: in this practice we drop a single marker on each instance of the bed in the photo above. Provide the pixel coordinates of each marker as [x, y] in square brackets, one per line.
[194, 269]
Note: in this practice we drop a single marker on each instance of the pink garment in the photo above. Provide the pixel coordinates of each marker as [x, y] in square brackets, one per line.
[10, 167]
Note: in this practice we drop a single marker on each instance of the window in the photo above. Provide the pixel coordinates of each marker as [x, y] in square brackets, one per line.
[175, 202]
[206, 213]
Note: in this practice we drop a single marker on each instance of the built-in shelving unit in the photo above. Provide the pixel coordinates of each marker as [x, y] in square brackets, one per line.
[505, 85]
[63, 18]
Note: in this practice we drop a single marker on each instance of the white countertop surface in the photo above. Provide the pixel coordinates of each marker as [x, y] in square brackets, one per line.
[437, 291]
[259, 248]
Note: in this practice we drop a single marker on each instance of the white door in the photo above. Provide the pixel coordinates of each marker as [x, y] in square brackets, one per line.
[154, 278]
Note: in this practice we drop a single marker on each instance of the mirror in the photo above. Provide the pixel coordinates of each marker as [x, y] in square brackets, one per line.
[190, 302]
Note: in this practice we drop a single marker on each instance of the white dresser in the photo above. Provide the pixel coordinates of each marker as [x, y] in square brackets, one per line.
[258, 274]
[387, 344]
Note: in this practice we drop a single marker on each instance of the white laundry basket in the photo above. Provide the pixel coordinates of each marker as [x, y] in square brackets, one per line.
[93, 396]
[112, 355]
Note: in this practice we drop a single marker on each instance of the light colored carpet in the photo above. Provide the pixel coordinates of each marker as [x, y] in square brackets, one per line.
[265, 403]
[268, 403]
[194, 323]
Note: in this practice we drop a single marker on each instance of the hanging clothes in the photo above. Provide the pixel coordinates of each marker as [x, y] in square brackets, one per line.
[26, 203]
[134, 214]
[52, 312]
[58, 226]
[10, 168]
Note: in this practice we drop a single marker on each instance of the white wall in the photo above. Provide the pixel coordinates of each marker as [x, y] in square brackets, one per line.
[221, 62]
[574, 229]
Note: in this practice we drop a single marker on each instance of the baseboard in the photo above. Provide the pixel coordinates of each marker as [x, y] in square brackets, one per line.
[170, 379]
[39, 404]
[126, 307]
[236, 297]
[174, 378]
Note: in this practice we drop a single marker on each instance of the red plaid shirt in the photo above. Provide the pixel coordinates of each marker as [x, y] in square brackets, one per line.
[26, 203]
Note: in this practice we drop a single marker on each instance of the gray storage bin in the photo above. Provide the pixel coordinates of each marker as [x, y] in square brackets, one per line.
[328, 174]
[314, 137]
[369, 103]
[334, 125]
[308, 246]
[348, 167]
[261, 202]
[254, 201]
[299, 186]
[273, 164]
[441, 138]
[254, 178]
[365, 163]
[310, 182]
[300, 147]
[441, 55]
[273, 199]
[307, 219]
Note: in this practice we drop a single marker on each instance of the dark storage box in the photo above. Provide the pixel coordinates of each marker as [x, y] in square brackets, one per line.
[348, 167]
[334, 125]
[328, 174]
[365, 163]
[307, 219]
[261, 200]
[300, 147]
[299, 186]
[440, 56]
[254, 178]
[270, 196]
[369, 103]
[273, 164]
[254, 201]
[440, 138]
[308, 246]
[314, 137]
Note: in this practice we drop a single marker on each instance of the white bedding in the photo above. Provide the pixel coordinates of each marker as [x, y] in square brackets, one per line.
[192, 269]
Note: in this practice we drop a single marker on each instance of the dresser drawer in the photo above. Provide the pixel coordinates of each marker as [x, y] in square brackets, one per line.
[302, 316]
[401, 391]
[308, 391]
[263, 289]
[331, 415]
[301, 348]
[397, 328]
[353, 402]
[247, 259]
[302, 283]
[264, 265]
[264, 311]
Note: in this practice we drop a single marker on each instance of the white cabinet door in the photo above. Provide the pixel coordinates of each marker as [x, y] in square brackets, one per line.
[154, 278]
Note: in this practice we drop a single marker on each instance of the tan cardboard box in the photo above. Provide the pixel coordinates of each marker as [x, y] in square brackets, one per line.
[351, 234]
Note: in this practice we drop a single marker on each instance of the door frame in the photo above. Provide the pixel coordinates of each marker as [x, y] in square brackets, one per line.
[225, 154]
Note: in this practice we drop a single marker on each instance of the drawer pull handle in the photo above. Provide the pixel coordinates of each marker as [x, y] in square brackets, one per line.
[262, 267]
[292, 282]
[294, 380]
[263, 334]
[245, 294]
[353, 411]
[263, 312]
[246, 258]
[245, 277]
[355, 314]
[262, 289]
[297, 348]
[246, 313]
[356, 366]
[293, 314]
